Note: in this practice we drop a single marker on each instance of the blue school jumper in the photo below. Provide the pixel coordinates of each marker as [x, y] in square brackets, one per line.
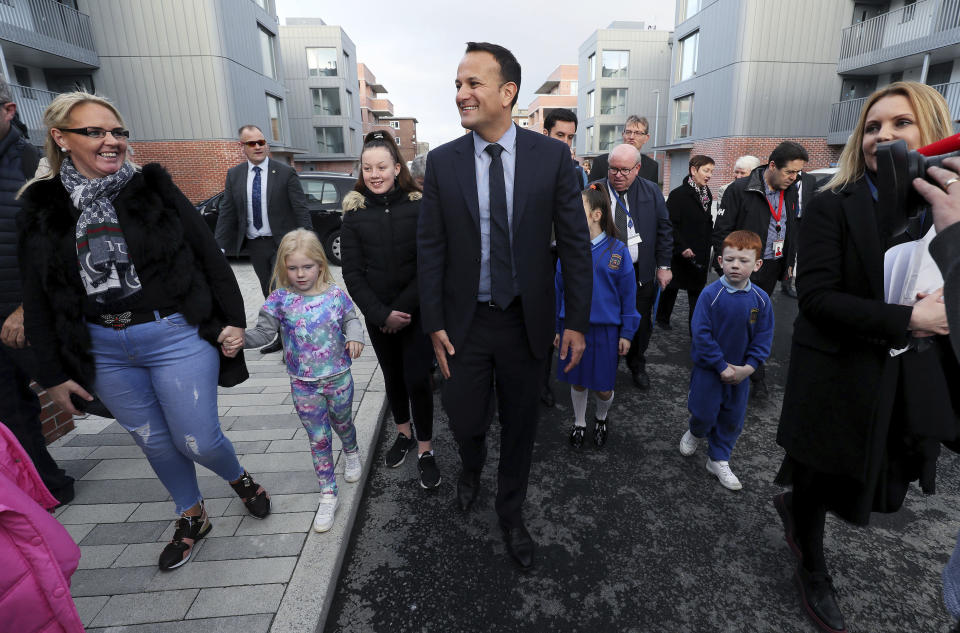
[729, 326]
[613, 315]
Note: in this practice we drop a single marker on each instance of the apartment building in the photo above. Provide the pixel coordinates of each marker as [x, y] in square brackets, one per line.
[324, 105]
[748, 74]
[558, 91]
[377, 114]
[623, 69]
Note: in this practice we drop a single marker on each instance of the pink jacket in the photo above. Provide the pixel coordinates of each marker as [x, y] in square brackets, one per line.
[38, 554]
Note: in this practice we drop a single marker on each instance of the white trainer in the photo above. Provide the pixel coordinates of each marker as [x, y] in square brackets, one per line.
[722, 471]
[328, 507]
[352, 468]
[688, 444]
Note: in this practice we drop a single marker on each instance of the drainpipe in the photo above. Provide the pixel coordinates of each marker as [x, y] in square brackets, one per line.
[926, 67]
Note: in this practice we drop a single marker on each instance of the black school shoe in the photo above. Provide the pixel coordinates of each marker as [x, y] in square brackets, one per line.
[254, 497]
[820, 600]
[599, 432]
[178, 551]
[398, 452]
[576, 437]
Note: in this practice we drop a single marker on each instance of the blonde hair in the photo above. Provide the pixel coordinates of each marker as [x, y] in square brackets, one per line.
[57, 115]
[299, 241]
[933, 120]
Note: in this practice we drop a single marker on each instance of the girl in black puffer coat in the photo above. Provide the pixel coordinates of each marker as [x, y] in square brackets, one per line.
[378, 243]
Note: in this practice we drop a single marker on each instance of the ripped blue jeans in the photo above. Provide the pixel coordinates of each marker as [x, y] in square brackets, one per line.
[160, 381]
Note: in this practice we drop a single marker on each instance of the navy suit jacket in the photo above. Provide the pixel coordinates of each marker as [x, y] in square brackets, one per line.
[652, 222]
[545, 196]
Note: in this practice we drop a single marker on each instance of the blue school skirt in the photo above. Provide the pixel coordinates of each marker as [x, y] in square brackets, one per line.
[598, 366]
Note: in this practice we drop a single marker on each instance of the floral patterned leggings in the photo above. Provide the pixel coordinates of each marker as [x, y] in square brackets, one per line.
[323, 404]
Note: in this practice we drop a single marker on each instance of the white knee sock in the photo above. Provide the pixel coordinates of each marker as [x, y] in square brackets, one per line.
[579, 399]
[603, 406]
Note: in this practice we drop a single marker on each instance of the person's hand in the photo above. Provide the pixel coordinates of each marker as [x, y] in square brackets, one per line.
[688, 253]
[929, 316]
[12, 334]
[944, 204]
[741, 373]
[556, 341]
[354, 348]
[572, 344]
[442, 347]
[60, 394]
[623, 346]
[230, 340]
[728, 375]
[396, 321]
[664, 275]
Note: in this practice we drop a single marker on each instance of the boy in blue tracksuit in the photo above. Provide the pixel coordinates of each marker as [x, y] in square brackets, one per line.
[732, 334]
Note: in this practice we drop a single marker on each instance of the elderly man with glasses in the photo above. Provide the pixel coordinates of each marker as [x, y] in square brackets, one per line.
[636, 132]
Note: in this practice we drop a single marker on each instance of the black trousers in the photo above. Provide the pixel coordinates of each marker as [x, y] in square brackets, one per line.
[406, 359]
[636, 357]
[263, 255]
[496, 354]
[766, 279]
[20, 412]
[668, 298]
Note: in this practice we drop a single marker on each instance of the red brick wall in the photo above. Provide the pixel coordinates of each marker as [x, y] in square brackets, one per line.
[199, 168]
[725, 151]
[342, 166]
[54, 422]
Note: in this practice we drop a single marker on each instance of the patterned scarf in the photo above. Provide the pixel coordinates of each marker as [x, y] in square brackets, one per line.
[702, 191]
[105, 266]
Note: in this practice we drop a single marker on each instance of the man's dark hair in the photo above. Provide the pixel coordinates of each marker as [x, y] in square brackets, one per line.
[509, 66]
[786, 152]
[560, 114]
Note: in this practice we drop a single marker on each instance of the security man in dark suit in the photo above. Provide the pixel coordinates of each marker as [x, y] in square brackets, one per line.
[490, 199]
[262, 201]
[636, 132]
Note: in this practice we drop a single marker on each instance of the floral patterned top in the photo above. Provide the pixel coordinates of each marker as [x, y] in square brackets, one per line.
[314, 329]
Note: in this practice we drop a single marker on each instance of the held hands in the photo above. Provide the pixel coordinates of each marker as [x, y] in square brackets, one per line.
[354, 348]
[623, 347]
[735, 374]
[442, 347]
[929, 316]
[689, 254]
[12, 334]
[664, 277]
[944, 204]
[572, 344]
[60, 394]
[231, 340]
[395, 322]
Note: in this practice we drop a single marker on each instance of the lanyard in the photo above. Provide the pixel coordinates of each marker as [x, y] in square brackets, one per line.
[620, 204]
[779, 212]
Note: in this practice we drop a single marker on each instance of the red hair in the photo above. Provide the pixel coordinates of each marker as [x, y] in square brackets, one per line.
[744, 241]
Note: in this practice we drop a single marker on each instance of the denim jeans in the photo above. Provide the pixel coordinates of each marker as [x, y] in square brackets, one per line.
[160, 381]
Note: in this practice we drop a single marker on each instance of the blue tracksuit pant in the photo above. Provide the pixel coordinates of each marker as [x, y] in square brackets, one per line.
[716, 411]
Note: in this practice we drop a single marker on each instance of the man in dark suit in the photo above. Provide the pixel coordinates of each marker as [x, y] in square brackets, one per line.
[262, 201]
[490, 199]
[636, 132]
[806, 186]
[643, 224]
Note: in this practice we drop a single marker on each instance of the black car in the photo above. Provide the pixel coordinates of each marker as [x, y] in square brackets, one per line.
[324, 191]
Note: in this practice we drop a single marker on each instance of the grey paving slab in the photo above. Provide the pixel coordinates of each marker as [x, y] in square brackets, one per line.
[276, 483]
[259, 380]
[78, 532]
[64, 453]
[112, 439]
[257, 546]
[257, 435]
[101, 582]
[113, 427]
[218, 602]
[250, 399]
[165, 510]
[121, 469]
[242, 388]
[98, 513]
[90, 425]
[140, 608]
[279, 462]
[134, 532]
[245, 448]
[77, 468]
[202, 574]
[119, 491]
[89, 607]
[124, 451]
[139, 555]
[288, 446]
[302, 502]
[276, 523]
[276, 416]
[98, 556]
[235, 624]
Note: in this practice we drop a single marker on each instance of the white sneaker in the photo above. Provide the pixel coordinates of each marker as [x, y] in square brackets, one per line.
[352, 468]
[688, 444]
[724, 474]
[328, 507]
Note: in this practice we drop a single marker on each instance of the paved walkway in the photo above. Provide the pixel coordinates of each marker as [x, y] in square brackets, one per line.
[247, 576]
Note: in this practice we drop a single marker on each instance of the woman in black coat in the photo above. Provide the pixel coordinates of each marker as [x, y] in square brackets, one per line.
[378, 244]
[689, 207]
[856, 424]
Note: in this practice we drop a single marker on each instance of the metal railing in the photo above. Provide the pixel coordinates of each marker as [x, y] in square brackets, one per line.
[49, 18]
[31, 103]
[900, 27]
[844, 115]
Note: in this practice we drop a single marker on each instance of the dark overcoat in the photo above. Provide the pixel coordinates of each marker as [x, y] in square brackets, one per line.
[692, 228]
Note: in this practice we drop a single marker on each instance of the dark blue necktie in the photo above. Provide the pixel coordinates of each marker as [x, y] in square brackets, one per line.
[255, 200]
[501, 261]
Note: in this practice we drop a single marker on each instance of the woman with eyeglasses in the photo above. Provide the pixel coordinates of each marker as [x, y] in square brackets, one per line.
[127, 295]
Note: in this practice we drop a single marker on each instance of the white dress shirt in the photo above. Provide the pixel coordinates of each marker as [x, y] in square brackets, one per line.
[631, 229]
[264, 231]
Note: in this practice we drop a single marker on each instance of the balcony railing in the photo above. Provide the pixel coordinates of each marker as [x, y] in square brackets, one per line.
[31, 102]
[915, 28]
[844, 115]
[48, 26]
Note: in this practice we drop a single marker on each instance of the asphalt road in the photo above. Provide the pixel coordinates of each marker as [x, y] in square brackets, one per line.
[633, 537]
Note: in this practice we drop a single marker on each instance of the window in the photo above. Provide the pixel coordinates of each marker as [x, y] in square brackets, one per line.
[615, 64]
[897, 76]
[351, 140]
[687, 56]
[613, 101]
[590, 139]
[322, 62]
[273, 109]
[592, 65]
[909, 10]
[939, 73]
[573, 87]
[319, 191]
[330, 140]
[397, 139]
[326, 101]
[590, 96]
[683, 117]
[266, 54]
[262, 4]
[690, 8]
[395, 125]
[348, 105]
[610, 137]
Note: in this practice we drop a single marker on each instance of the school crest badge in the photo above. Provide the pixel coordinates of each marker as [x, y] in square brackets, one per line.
[616, 260]
[754, 313]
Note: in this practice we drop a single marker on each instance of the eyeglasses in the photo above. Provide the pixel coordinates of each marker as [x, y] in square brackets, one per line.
[622, 172]
[635, 133]
[259, 143]
[790, 172]
[98, 132]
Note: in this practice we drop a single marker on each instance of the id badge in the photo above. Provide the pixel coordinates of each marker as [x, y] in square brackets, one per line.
[778, 248]
[635, 239]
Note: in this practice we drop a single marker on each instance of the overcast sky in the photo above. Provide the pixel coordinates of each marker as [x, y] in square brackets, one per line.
[414, 47]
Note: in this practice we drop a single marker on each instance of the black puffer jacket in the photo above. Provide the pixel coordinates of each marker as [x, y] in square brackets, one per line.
[378, 245]
[18, 161]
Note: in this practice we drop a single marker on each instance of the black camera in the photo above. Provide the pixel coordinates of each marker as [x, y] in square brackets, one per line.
[897, 166]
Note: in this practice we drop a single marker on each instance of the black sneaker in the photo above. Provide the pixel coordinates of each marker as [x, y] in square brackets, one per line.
[189, 531]
[254, 497]
[429, 473]
[599, 432]
[576, 437]
[398, 452]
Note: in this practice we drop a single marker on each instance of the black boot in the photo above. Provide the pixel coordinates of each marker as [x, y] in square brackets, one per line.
[820, 600]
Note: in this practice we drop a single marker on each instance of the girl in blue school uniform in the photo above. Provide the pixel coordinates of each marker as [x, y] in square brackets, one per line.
[613, 319]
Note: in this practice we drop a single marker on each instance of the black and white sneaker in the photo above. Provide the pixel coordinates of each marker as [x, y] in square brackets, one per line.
[189, 531]
[398, 452]
[429, 473]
